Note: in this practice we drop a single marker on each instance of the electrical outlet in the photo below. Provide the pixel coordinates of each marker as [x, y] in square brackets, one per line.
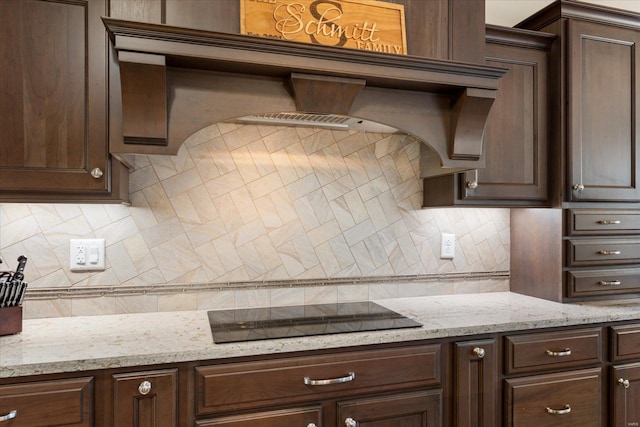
[448, 246]
[86, 254]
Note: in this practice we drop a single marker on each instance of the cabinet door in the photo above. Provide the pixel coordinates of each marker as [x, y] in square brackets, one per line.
[625, 410]
[146, 399]
[603, 112]
[566, 399]
[303, 417]
[475, 384]
[53, 100]
[67, 402]
[417, 409]
[516, 135]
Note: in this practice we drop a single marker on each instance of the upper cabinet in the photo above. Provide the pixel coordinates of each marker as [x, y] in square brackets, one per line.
[596, 111]
[516, 137]
[603, 112]
[53, 104]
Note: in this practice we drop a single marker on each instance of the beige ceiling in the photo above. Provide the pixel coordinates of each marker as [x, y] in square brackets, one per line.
[510, 12]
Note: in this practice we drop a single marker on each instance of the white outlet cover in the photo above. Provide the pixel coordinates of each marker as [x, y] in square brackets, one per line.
[448, 246]
[82, 255]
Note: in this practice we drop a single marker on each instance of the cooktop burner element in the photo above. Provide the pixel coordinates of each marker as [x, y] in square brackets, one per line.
[303, 320]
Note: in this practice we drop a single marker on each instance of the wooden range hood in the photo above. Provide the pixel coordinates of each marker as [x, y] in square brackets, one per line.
[175, 81]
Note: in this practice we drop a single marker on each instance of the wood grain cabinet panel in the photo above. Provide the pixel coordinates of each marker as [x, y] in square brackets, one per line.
[148, 398]
[625, 400]
[603, 112]
[53, 103]
[563, 399]
[516, 137]
[66, 402]
[603, 282]
[265, 383]
[602, 222]
[304, 416]
[475, 372]
[552, 350]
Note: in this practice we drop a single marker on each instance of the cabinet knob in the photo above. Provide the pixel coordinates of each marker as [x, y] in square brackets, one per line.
[472, 185]
[479, 351]
[144, 387]
[312, 425]
[97, 173]
[578, 187]
[350, 422]
[563, 411]
[11, 415]
[624, 383]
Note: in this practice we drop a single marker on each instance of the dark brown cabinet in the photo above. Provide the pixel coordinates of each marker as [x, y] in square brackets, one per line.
[147, 398]
[603, 113]
[53, 104]
[397, 387]
[475, 371]
[625, 376]
[516, 137]
[63, 402]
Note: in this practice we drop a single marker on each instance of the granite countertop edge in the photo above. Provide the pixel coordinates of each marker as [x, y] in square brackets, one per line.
[77, 344]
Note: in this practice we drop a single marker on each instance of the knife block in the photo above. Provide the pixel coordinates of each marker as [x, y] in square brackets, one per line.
[10, 320]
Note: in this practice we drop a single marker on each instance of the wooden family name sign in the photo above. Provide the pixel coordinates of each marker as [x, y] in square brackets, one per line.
[358, 24]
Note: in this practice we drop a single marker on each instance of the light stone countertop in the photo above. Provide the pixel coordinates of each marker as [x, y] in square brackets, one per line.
[73, 344]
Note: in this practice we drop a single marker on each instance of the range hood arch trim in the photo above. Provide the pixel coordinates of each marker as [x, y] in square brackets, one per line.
[155, 59]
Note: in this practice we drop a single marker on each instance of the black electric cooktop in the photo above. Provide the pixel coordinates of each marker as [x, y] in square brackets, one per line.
[254, 324]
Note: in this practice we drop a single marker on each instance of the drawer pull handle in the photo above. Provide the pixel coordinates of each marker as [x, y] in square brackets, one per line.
[563, 411]
[145, 387]
[609, 252]
[350, 377]
[565, 352]
[624, 383]
[609, 221]
[609, 282]
[479, 351]
[11, 415]
[350, 422]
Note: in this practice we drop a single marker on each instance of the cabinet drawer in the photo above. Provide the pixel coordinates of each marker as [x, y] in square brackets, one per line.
[563, 399]
[551, 350]
[605, 222]
[286, 417]
[586, 252]
[295, 379]
[49, 403]
[614, 281]
[625, 342]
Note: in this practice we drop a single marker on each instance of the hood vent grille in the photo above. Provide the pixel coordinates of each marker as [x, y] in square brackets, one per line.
[332, 121]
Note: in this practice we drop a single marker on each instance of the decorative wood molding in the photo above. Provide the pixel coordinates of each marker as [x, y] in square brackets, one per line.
[237, 64]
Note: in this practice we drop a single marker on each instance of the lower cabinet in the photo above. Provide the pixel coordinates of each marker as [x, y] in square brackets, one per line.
[64, 402]
[625, 392]
[561, 399]
[475, 369]
[393, 387]
[148, 398]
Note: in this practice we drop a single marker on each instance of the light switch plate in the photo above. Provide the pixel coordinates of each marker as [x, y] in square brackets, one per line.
[448, 246]
[86, 254]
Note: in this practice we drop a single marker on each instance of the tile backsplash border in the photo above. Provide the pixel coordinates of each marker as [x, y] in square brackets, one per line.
[57, 302]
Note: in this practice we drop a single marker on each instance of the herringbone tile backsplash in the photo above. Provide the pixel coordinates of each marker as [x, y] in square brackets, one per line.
[245, 209]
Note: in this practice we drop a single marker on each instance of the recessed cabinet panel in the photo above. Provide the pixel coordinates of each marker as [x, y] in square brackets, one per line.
[603, 112]
[603, 281]
[67, 402]
[625, 386]
[563, 399]
[304, 416]
[602, 251]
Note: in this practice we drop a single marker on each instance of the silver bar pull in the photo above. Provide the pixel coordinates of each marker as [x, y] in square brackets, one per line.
[565, 352]
[563, 411]
[11, 415]
[624, 383]
[479, 351]
[609, 221]
[603, 252]
[350, 377]
[350, 422]
[609, 282]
